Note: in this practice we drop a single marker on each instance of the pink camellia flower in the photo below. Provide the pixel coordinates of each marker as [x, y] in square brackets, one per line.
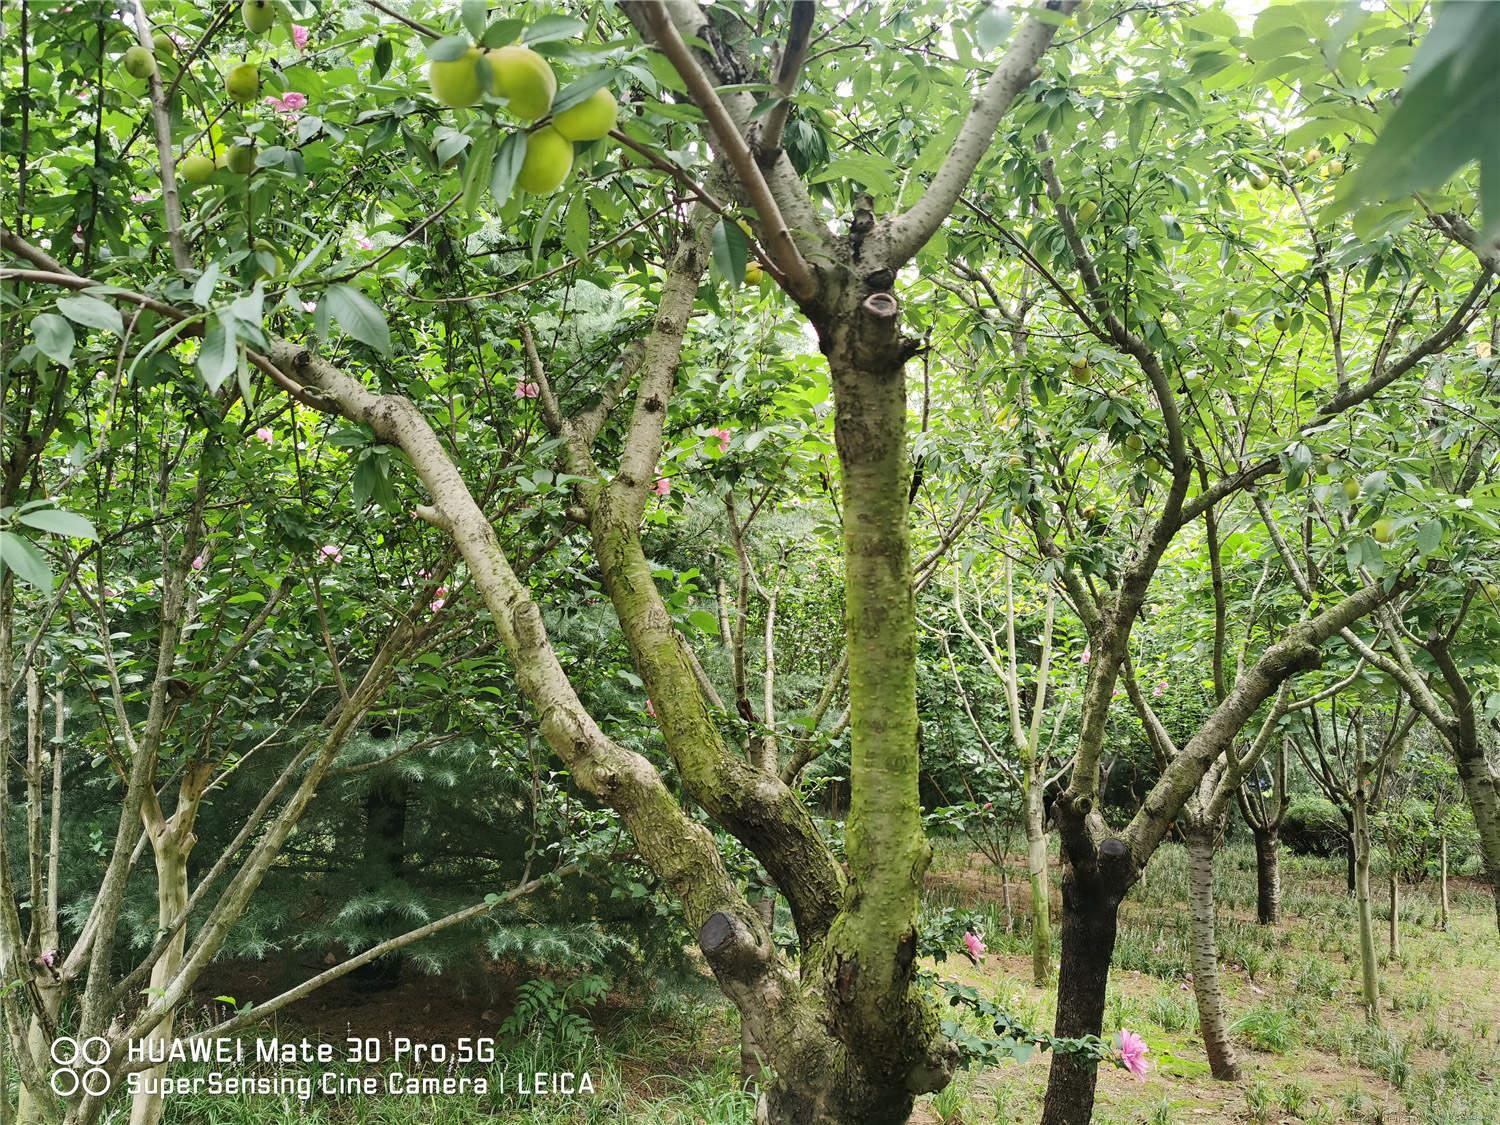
[264, 434]
[1087, 655]
[424, 574]
[527, 390]
[1160, 689]
[299, 36]
[974, 945]
[309, 306]
[330, 553]
[723, 436]
[441, 592]
[650, 710]
[1133, 1054]
[364, 243]
[662, 487]
[48, 958]
[437, 604]
[289, 105]
[198, 563]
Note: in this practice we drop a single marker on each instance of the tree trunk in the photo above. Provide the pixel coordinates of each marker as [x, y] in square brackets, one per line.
[1041, 891]
[171, 901]
[1443, 881]
[1371, 982]
[1482, 789]
[1090, 916]
[1205, 954]
[1267, 876]
[29, 1110]
[384, 862]
[752, 1057]
[1395, 931]
[1350, 852]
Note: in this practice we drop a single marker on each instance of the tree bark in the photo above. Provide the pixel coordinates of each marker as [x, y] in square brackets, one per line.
[1443, 881]
[1212, 1023]
[1368, 969]
[1482, 789]
[171, 900]
[1267, 876]
[1092, 889]
[1041, 891]
[1395, 928]
[1351, 852]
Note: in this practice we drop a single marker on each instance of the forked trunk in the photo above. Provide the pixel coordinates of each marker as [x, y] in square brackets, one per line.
[1368, 968]
[1212, 1022]
[1267, 876]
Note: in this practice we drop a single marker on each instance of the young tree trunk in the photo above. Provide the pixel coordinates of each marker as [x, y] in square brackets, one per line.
[1351, 852]
[1267, 875]
[1212, 1023]
[1369, 977]
[29, 1111]
[1090, 917]
[1041, 891]
[171, 901]
[1395, 930]
[1443, 881]
[1482, 789]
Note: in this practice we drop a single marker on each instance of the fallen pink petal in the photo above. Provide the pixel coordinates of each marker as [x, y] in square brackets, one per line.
[1133, 1054]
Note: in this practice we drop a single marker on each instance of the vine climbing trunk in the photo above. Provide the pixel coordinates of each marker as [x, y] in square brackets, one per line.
[1212, 1022]
[1267, 876]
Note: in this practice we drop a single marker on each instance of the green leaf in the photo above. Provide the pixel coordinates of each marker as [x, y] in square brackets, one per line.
[992, 27]
[476, 170]
[472, 14]
[29, 564]
[449, 48]
[703, 621]
[576, 227]
[91, 312]
[575, 92]
[552, 27]
[203, 290]
[360, 317]
[54, 337]
[383, 56]
[216, 356]
[55, 521]
[729, 251]
[507, 167]
[1430, 536]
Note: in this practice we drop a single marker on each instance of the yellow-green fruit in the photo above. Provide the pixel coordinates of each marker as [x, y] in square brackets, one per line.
[1078, 361]
[1232, 317]
[753, 273]
[166, 46]
[242, 83]
[1312, 156]
[259, 15]
[456, 82]
[589, 120]
[525, 80]
[1087, 210]
[549, 158]
[1351, 489]
[240, 159]
[625, 250]
[1492, 589]
[196, 169]
[139, 63]
[1383, 530]
[1281, 320]
[1334, 168]
[1259, 181]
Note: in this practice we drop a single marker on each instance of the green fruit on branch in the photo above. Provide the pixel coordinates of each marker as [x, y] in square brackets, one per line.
[166, 46]
[624, 250]
[1281, 320]
[258, 15]
[549, 159]
[242, 83]
[523, 78]
[1492, 591]
[1351, 489]
[457, 82]
[196, 169]
[139, 63]
[1312, 156]
[1334, 167]
[753, 273]
[1087, 210]
[1260, 181]
[1383, 530]
[1078, 361]
[1232, 317]
[240, 159]
[589, 120]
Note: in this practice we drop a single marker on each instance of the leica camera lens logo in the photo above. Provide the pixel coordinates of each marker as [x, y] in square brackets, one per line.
[81, 1066]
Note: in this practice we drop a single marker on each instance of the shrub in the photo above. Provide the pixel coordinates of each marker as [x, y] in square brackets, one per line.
[1314, 826]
